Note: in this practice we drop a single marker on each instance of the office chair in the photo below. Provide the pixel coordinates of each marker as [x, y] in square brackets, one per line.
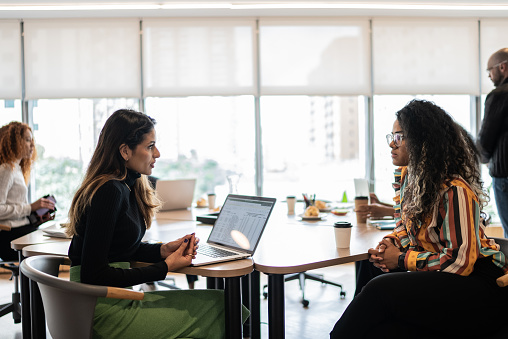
[302, 276]
[14, 306]
[68, 306]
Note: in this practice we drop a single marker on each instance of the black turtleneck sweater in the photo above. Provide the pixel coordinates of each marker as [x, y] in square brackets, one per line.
[111, 230]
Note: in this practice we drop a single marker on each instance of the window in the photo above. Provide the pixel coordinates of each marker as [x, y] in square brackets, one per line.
[10, 110]
[312, 145]
[66, 133]
[208, 138]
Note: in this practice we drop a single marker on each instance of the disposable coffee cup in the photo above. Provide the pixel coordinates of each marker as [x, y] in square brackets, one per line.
[211, 201]
[360, 201]
[342, 231]
[291, 200]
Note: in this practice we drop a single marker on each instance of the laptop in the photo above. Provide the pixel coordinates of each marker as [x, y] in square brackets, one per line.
[237, 231]
[175, 194]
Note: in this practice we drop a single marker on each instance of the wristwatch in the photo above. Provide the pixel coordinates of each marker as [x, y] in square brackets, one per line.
[400, 262]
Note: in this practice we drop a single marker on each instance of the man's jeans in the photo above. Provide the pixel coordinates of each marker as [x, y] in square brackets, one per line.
[501, 194]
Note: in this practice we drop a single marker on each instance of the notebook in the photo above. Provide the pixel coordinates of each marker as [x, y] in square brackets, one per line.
[237, 231]
[382, 224]
[175, 194]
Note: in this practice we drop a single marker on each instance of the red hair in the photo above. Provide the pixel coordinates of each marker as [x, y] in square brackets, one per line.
[11, 147]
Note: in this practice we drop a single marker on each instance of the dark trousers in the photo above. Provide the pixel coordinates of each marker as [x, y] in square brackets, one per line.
[427, 305]
[6, 252]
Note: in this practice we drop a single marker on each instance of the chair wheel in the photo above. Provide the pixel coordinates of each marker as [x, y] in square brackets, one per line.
[342, 294]
[305, 303]
[265, 295]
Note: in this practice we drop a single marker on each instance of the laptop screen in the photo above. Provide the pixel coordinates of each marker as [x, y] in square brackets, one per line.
[241, 222]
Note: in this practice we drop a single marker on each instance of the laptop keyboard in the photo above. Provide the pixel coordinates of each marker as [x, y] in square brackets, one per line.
[214, 252]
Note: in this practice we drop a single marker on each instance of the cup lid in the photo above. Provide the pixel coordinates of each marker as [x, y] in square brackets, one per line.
[342, 224]
[290, 197]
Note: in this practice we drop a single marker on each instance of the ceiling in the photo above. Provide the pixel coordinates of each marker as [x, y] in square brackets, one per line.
[169, 8]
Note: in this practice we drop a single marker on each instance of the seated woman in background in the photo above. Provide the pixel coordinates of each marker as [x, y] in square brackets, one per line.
[17, 154]
[439, 238]
[108, 218]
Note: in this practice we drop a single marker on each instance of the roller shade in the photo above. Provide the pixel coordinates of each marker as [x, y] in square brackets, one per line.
[82, 58]
[198, 57]
[314, 56]
[10, 59]
[425, 56]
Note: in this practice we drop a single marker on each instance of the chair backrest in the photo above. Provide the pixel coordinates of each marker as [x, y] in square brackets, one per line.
[69, 306]
[503, 247]
[503, 244]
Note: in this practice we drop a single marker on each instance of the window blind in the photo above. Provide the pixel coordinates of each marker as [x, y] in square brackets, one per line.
[425, 56]
[82, 58]
[10, 59]
[314, 56]
[198, 57]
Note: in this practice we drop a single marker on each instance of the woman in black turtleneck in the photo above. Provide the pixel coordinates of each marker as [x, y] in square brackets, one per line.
[108, 218]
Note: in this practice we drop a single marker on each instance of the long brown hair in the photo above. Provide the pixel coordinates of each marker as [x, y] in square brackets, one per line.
[12, 139]
[122, 127]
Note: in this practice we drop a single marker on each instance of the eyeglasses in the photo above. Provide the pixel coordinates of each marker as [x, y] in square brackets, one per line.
[496, 65]
[395, 137]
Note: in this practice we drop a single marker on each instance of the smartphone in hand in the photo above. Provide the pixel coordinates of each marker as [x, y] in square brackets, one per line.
[41, 211]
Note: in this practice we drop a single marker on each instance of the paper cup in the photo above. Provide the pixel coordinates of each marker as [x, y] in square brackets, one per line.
[342, 231]
[291, 200]
[359, 201]
[211, 201]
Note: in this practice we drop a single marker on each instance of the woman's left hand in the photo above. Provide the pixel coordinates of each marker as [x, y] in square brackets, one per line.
[170, 247]
[391, 253]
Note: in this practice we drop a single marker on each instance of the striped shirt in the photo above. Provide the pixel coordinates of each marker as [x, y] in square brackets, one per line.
[452, 239]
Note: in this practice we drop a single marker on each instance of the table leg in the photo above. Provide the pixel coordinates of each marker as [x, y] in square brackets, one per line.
[246, 301]
[37, 311]
[255, 305]
[276, 316]
[24, 284]
[233, 308]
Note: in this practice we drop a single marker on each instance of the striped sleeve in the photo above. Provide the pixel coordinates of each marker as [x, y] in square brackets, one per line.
[399, 235]
[451, 244]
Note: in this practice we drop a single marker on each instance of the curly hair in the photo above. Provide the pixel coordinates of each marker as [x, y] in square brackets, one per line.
[439, 149]
[12, 139]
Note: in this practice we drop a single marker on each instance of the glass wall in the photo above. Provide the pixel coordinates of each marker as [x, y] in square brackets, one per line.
[10, 110]
[208, 138]
[202, 80]
[66, 132]
[312, 145]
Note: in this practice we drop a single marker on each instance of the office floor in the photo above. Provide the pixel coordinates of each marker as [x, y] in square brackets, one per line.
[313, 322]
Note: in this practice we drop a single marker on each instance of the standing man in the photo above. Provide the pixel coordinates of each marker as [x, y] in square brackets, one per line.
[493, 137]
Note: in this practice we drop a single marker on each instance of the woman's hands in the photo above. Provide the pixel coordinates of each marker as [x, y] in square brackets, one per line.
[385, 256]
[42, 203]
[375, 209]
[179, 253]
[172, 246]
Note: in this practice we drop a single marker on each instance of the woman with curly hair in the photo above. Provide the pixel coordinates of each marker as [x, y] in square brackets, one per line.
[439, 238]
[17, 154]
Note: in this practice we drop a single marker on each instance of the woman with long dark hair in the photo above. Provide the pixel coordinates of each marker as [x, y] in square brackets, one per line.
[439, 238]
[108, 218]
